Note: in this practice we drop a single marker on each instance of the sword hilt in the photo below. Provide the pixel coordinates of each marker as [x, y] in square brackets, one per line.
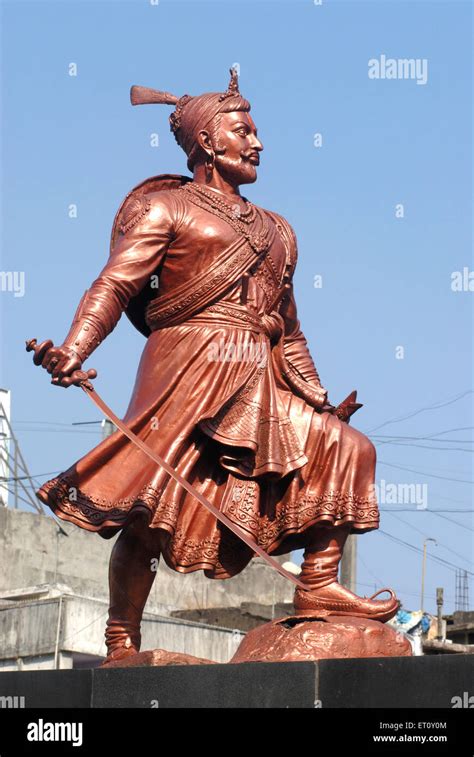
[77, 377]
[82, 378]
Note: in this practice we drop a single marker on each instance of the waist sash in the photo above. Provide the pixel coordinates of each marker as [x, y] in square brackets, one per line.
[191, 297]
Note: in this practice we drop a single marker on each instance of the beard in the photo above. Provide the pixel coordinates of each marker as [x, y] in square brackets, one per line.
[235, 170]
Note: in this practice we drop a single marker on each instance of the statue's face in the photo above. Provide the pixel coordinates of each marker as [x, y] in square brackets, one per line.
[237, 134]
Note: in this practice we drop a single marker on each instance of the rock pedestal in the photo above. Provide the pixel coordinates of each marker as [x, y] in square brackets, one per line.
[295, 638]
[152, 658]
[319, 637]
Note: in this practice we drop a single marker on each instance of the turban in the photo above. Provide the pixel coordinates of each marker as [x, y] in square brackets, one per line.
[193, 114]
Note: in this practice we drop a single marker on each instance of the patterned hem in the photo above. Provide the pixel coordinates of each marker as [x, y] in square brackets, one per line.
[96, 514]
[222, 554]
[222, 559]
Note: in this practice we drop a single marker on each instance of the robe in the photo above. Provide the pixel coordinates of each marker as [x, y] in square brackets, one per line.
[224, 394]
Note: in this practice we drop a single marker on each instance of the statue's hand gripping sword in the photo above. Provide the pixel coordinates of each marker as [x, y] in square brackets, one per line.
[84, 380]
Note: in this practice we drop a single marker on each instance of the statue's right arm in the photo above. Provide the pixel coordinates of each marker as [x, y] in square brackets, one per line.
[146, 229]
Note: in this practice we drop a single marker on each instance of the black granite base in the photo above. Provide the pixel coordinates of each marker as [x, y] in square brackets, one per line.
[428, 682]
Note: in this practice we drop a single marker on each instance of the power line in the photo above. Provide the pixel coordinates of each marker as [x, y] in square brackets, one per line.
[438, 469]
[421, 473]
[436, 512]
[450, 431]
[407, 441]
[56, 423]
[60, 431]
[22, 499]
[422, 410]
[429, 436]
[404, 591]
[381, 583]
[423, 533]
[440, 560]
[85, 423]
[37, 475]
[426, 446]
[425, 510]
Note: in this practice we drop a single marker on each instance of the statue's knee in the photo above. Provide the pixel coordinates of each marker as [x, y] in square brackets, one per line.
[363, 447]
[367, 449]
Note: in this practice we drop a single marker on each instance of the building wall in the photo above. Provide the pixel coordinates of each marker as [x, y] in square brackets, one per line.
[32, 630]
[32, 552]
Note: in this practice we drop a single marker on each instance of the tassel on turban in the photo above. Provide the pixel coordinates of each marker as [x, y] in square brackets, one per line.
[193, 114]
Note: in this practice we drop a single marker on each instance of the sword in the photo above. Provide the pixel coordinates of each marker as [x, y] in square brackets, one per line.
[83, 379]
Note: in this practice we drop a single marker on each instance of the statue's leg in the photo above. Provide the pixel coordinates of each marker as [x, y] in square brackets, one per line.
[319, 572]
[132, 570]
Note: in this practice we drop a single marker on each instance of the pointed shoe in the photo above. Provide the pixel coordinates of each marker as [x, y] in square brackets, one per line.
[336, 600]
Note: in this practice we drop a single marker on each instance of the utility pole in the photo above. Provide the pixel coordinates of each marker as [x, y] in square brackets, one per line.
[462, 591]
[439, 602]
[13, 468]
[348, 568]
[107, 427]
[5, 445]
[423, 570]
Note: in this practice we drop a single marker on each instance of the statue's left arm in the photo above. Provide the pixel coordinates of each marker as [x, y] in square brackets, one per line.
[301, 368]
[298, 365]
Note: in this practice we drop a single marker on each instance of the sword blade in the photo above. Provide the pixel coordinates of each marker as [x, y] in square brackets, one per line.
[221, 517]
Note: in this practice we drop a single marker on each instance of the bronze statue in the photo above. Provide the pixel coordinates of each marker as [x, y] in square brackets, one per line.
[226, 390]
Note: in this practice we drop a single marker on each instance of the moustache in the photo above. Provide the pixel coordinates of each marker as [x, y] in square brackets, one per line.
[250, 155]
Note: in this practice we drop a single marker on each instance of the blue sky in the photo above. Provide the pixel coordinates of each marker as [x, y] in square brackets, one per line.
[386, 280]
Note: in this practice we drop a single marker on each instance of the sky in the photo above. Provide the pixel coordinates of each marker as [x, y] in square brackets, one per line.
[380, 203]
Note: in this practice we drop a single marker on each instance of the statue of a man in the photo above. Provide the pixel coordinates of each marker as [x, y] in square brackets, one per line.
[226, 390]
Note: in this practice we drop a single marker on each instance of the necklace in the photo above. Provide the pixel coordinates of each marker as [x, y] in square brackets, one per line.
[216, 202]
[239, 221]
[236, 207]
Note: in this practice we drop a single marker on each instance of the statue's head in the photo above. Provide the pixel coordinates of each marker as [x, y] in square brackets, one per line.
[214, 129]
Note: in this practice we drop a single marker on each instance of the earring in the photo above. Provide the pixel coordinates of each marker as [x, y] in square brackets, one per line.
[210, 164]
